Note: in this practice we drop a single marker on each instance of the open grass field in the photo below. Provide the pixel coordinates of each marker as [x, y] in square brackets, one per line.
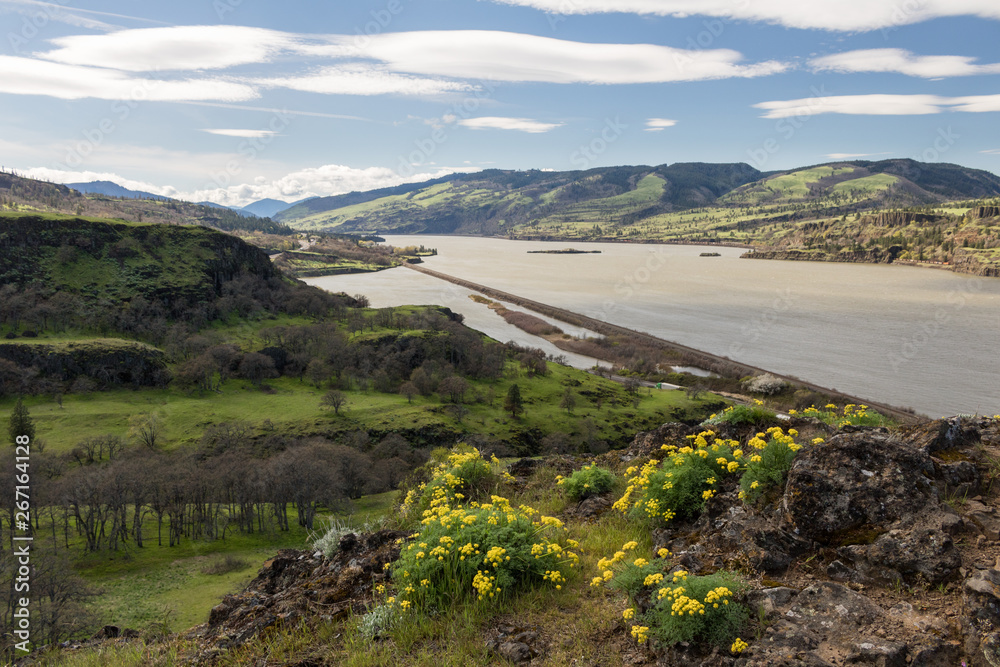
[294, 407]
[177, 586]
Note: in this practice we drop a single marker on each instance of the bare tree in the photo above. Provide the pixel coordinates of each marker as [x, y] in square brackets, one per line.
[257, 367]
[454, 387]
[146, 430]
[568, 401]
[409, 390]
[334, 399]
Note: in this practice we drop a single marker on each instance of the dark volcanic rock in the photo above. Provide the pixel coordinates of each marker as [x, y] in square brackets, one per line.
[295, 584]
[919, 549]
[856, 482]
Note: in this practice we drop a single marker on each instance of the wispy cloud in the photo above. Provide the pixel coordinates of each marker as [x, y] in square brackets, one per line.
[243, 134]
[500, 123]
[902, 62]
[26, 76]
[60, 13]
[991, 151]
[833, 15]
[274, 110]
[364, 80]
[659, 124]
[879, 105]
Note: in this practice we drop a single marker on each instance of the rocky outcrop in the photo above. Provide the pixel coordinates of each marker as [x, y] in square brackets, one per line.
[971, 262]
[872, 256]
[106, 361]
[299, 584]
[868, 525]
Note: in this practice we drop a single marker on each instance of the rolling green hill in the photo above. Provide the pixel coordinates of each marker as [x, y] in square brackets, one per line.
[26, 195]
[681, 202]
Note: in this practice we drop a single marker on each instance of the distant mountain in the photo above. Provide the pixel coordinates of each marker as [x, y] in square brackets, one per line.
[113, 190]
[683, 201]
[265, 208]
[497, 201]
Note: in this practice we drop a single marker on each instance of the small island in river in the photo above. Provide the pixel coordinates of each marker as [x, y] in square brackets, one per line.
[565, 251]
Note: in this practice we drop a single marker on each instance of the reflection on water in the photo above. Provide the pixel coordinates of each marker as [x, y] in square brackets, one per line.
[902, 335]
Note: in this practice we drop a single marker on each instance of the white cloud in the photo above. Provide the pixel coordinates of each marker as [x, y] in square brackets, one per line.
[992, 151]
[65, 176]
[364, 80]
[173, 48]
[879, 105]
[902, 62]
[491, 55]
[501, 123]
[976, 103]
[659, 124]
[841, 15]
[26, 76]
[243, 134]
[876, 105]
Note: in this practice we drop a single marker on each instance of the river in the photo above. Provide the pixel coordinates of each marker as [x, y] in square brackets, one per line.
[908, 336]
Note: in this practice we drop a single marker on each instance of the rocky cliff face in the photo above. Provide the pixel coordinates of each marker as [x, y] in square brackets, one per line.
[873, 256]
[106, 361]
[981, 212]
[971, 263]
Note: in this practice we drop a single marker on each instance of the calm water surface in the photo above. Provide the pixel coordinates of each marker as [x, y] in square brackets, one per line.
[908, 336]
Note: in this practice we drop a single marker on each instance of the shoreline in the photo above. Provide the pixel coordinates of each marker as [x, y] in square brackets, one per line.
[606, 328]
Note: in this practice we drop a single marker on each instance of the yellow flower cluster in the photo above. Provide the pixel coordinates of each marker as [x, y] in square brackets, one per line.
[556, 577]
[485, 584]
[717, 595]
[640, 633]
[684, 605]
[653, 579]
[738, 646]
[628, 613]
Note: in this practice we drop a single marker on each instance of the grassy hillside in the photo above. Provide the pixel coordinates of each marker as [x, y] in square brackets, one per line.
[18, 194]
[680, 202]
[119, 260]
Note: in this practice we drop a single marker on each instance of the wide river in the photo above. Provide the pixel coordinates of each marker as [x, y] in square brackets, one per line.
[912, 337]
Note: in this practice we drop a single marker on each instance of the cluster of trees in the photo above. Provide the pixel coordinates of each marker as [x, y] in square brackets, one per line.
[107, 493]
[420, 353]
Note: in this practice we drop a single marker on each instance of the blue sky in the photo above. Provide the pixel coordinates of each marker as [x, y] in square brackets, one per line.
[236, 100]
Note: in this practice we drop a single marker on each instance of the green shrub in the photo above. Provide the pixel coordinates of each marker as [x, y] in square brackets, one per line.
[679, 607]
[482, 552]
[857, 415]
[588, 481]
[459, 475]
[768, 462]
[465, 550]
[738, 415]
[682, 483]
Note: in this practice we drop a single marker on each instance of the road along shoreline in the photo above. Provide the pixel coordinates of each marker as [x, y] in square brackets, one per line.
[698, 357]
